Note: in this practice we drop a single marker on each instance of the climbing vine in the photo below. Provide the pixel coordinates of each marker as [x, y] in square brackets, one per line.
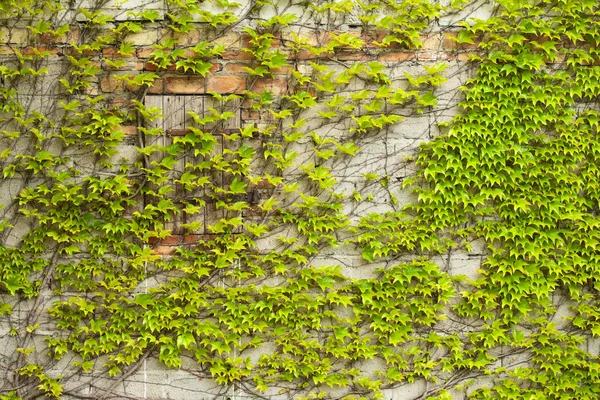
[233, 190]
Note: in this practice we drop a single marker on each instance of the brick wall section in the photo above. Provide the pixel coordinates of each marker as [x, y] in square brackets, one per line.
[227, 74]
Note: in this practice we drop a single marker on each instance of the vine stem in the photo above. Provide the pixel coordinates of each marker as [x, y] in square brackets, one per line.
[34, 315]
[126, 375]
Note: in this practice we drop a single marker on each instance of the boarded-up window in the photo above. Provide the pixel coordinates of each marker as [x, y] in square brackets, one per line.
[175, 125]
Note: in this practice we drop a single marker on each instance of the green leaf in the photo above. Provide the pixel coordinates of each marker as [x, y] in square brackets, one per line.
[465, 36]
[237, 186]
[185, 340]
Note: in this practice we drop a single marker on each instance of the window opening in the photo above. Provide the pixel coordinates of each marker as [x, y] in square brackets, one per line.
[176, 123]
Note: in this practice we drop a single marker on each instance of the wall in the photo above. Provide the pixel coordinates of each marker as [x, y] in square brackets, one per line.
[138, 239]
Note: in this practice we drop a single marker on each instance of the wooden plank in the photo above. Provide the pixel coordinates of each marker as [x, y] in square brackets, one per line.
[211, 102]
[195, 104]
[235, 121]
[174, 112]
[175, 120]
[211, 216]
[155, 101]
[214, 175]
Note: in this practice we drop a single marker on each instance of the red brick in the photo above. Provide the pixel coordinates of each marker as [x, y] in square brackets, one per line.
[396, 56]
[376, 36]
[199, 239]
[86, 53]
[164, 250]
[428, 55]
[144, 52]
[226, 84]
[47, 38]
[236, 68]
[130, 130]
[6, 50]
[266, 117]
[285, 70]
[353, 56]
[173, 68]
[236, 55]
[111, 52]
[73, 36]
[130, 65]
[189, 53]
[449, 44]
[150, 67]
[170, 240]
[246, 38]
[191, 239]
[277, 86]
[28, 51]
[184, 84]
[215, 68]
[247, 103]
[446, 55]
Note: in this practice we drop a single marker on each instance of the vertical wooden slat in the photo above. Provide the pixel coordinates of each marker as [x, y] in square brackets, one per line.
[195, 104]
[211, 216]
[215, 176]
[174, 113]
[234, 107]
[211, 102]
[155, 101]
[175, 120]
[231, 124]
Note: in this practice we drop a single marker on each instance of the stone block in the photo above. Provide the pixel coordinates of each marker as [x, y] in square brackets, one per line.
[432, 41]
[225, 84]
[144, 38]
[479, 9]
[157, 86]
[109, 84]
[184, 85]
[230, 39]
[14, 36]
